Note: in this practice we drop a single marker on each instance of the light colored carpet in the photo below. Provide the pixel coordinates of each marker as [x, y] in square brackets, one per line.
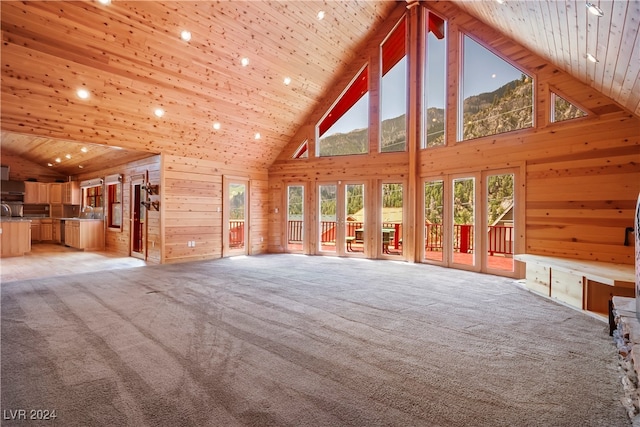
[289, 340]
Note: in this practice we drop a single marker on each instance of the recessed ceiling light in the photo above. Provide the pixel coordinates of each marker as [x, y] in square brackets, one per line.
[257, 135]
[159, 112]
[82, 93]
[58, 159]
[84, 149]
[594, 10]
[592, 58]
[104, 2]
[287, 81]
[244, 62]
[321, 15]
[49, 164]
[185, 35]
[68, 156]
[216, 126]
[80, 166]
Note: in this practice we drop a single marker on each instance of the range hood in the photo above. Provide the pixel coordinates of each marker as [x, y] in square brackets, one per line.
[12, 187]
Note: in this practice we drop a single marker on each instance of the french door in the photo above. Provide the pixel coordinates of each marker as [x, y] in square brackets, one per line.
[392, 218]
[341, 219]
[470, 221]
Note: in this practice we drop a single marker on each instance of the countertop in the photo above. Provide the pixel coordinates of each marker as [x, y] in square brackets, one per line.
[29, 219]
[79, 219]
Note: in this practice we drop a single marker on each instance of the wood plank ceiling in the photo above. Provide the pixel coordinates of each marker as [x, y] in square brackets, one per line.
[131, 59]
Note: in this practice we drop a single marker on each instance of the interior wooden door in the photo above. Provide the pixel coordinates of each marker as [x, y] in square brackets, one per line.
[236, 216]
[138, 218]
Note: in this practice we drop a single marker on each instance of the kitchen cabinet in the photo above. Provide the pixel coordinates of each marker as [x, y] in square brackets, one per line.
[72, 234]
[36, 193]
[87, 234]
[35, 230]
[71, 193]
[15, 238]
[55, 193]
[46, 230]
[56, 237]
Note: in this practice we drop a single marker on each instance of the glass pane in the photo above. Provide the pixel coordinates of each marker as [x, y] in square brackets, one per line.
[497, 97]
[295, 217]
[435, 89]
[463, 220]
[501, 234]
[345, 128]
[392, 205]
[564, 110]
[350, 134]
[393, 106]
[328, 218]
[433, 220]
[354, 225]
[237, 209]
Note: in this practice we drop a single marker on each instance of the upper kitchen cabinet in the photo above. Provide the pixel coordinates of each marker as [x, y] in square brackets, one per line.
[36, 193]
[71, 193]
[55, 193]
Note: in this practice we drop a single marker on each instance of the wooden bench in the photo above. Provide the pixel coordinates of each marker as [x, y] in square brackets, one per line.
[586, 285]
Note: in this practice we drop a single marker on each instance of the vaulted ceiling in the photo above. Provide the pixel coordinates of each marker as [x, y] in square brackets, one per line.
[131, 59]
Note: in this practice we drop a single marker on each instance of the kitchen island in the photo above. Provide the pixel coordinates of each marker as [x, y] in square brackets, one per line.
[83, 233]
[15, 237]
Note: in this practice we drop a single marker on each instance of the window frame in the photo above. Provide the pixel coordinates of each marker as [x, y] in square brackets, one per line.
[359, 74]
[460, 95]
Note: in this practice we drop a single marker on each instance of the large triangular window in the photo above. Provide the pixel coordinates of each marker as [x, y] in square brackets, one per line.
[393, 88]
[562, 110]
[345, 128]
[496, 96]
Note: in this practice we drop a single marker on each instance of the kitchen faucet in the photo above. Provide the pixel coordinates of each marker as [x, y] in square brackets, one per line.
[7, 208]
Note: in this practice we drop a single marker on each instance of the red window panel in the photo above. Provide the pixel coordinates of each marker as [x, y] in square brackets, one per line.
[394, 48]
[436, 26]
[358, 88]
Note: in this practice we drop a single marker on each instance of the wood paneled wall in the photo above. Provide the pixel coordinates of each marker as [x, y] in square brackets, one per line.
[119, 241]
[581, 177]
[21, 169]
[192, 207]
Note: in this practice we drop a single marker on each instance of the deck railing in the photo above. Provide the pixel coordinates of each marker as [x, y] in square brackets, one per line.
[236, 233]
[500, 237]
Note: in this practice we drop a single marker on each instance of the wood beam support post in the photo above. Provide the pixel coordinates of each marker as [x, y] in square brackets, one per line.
[415, 50]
